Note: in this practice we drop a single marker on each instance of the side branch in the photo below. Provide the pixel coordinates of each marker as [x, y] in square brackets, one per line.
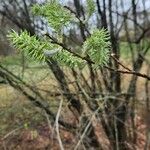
[130, 72]
[88, 60]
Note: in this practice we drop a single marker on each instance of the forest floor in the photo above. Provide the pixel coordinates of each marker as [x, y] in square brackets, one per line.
[24, 127]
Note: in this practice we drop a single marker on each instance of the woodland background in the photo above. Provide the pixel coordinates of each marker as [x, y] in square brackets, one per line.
[102, 109]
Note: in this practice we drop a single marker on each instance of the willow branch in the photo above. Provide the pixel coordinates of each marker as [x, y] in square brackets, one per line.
[88, 60]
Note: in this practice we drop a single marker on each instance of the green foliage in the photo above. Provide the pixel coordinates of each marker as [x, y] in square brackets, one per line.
[56, 15]
[64, 57]
[90, 7]
[34, 47]
[31, 45]
[97, 47]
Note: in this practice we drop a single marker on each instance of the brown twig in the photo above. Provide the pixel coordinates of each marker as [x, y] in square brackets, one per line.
[129, 72]
[91, 62]
[113, 56]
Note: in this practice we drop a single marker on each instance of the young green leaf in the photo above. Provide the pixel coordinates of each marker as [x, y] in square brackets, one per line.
[31, 45]
[97, 47]
[42, 49]
[54, 12]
